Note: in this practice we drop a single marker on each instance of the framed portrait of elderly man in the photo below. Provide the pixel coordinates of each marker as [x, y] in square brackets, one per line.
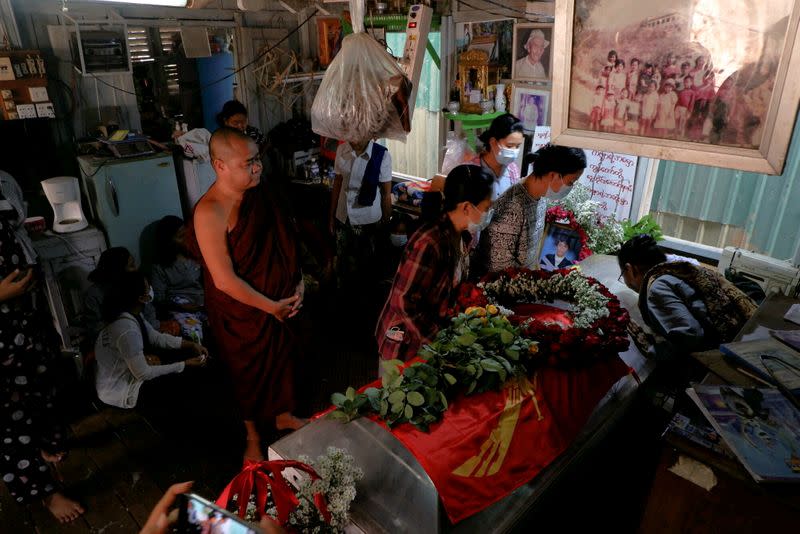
[713, 82]
[532, 52]
[560, 247]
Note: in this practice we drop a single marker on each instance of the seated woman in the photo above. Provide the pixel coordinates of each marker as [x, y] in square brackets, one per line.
[691, 307]
[515, 233]
[436, 259]
[113, 263]
[123, 348]
[177, 279]
[501, 146]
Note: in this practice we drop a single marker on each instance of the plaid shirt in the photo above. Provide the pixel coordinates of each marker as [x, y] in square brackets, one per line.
[423, 289]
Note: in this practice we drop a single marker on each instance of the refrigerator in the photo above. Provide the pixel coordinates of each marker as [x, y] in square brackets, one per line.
[128, 196]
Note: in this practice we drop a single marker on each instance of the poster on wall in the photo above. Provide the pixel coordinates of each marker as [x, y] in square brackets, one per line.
[494, 37]
[609, 176]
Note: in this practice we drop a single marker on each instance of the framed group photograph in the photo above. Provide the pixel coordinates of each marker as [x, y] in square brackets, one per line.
[329, 38]
[533, 53]
[531, 105]
[714, 82]
[560, 247]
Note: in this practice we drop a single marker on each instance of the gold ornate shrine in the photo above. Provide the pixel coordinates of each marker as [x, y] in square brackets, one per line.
[473, 75]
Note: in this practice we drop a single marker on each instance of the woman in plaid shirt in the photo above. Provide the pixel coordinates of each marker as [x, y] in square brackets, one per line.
[435, 261]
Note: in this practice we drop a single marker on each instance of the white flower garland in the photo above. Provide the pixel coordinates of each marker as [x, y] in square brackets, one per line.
[589, 304]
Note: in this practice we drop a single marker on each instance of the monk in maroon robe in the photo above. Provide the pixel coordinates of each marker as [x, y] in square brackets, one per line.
[253, 283]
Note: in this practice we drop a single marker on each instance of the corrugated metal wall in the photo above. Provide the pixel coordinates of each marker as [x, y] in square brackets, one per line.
[722, 207]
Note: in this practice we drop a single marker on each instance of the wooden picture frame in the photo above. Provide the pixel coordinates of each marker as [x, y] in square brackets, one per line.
[473, 75]
[329, 38]
[531, 105]
[743, 113]
[533, 38]
[553, 232]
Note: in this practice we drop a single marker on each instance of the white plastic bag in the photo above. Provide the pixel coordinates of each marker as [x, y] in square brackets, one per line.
[364, 94]
[457, 152]
[195, 144]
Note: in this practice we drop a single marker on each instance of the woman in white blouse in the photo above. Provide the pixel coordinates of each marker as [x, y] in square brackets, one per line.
[123, 348]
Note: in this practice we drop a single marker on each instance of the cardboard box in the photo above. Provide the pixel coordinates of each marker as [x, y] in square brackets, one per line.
[27, 111]
[38, 94]
[46, 110]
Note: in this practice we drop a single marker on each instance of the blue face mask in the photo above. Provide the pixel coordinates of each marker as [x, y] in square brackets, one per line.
[561, 193]
[486, 218]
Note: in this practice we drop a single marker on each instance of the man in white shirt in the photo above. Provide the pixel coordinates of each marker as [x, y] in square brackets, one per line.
[361, 201]
[530, 65]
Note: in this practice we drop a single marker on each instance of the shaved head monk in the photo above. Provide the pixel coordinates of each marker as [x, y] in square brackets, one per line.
[253, 284]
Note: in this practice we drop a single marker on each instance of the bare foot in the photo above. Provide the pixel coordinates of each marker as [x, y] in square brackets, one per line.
[287, 421]
[253, 450]
[64, 509]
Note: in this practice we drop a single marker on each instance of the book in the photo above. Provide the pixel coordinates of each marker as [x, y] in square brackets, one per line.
[760, 426]
[747, 355]
[789, 337]
[698, 433]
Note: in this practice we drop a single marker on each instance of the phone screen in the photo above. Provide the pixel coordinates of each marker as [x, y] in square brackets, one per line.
[198, 515]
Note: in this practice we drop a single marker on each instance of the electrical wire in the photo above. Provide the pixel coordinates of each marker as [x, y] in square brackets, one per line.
[235, 72]
[498, 4]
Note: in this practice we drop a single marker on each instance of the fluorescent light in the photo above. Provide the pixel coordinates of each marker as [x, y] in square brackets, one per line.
[169, 3]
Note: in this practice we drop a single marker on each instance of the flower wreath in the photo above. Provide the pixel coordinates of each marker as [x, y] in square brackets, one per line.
[599, 326]
[559, 215]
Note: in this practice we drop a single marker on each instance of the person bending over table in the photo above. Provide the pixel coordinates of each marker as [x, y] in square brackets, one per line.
[436, 259]
[693, 308]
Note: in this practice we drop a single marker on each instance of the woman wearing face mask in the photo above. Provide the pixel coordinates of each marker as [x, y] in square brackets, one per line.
[123, 348]
[434, 263]
[502, 142]
[512, 239]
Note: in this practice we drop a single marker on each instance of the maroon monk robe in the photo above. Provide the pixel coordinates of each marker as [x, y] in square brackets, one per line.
[257, 348]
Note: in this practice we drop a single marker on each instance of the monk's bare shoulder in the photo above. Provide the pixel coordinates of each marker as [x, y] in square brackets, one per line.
[209, 210]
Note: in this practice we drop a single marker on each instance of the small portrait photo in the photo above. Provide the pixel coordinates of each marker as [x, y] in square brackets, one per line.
[533, 55]
[329, 38]
[532, 106]
[561, 247]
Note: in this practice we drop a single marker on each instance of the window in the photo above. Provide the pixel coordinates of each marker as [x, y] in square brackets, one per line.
[419, 155]
[139, 45]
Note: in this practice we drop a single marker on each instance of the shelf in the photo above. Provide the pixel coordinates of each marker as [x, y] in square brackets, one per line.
[23, 83]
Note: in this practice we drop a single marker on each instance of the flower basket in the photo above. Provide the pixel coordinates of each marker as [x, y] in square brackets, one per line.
[264, 483]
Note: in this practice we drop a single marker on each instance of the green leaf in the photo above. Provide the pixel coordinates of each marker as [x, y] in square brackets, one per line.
[391, 366]
[486, 332]
[409, 372]
[397, 407]
[506, 337]
[397, 396]
[350, 393]
[502, 374]
[409, 412]
[465, 340]
[450, 378]
[472, 386]
[372, 393]
[443, 399]
[340, 416]
[415, 398]
[491, 365]
[384, 408]
[396, 382]
[512, 353]
[337, 399]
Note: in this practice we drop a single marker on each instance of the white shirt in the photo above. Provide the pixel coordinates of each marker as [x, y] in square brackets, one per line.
[121, 365]
[525, 69]
[351, 167]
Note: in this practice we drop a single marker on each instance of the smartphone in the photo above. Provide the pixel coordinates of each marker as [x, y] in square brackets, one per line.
[197, 514]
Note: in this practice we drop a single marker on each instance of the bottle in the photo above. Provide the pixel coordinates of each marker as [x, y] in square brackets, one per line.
[315, 176]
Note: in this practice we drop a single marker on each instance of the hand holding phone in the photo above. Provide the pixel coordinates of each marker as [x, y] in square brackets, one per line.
[198, 515]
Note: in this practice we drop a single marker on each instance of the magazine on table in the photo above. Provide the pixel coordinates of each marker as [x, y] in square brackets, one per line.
[767, 359]
[788, 337]
[760, 425]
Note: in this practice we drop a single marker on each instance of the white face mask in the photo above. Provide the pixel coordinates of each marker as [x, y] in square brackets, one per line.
[507, 155]
[561, 193]
[486, 218]
[150, 295]
[398, 240]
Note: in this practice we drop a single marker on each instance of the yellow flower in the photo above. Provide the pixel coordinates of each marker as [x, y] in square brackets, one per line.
[476, 310]
[484, 321]
[492, 309]
[533, 349]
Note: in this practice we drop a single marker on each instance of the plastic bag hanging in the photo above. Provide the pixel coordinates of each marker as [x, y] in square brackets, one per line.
[364, 94]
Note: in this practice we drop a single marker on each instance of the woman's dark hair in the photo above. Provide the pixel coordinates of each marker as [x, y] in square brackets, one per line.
[501, 127]
[642, 251]
[556, 158]
[124, 295]
[466, 183]
[166, 248]
[229, 109]
[113, 262]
